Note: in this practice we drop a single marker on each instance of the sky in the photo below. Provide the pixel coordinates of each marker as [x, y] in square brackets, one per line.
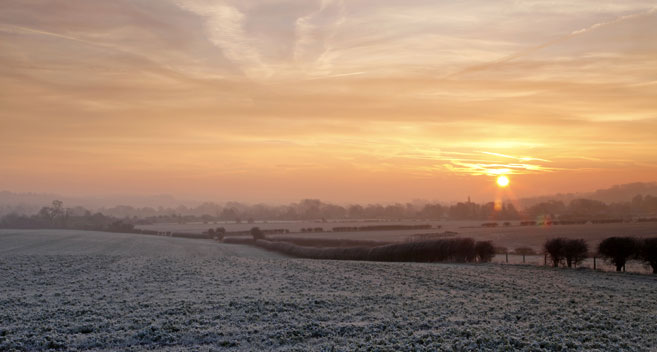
[347, 101]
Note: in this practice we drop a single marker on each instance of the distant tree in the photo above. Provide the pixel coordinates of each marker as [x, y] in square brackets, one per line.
[555, 249]
[257, 234]
[485, 251]
[618, 250]
[648, 252]
[220, 232]
[575, 251]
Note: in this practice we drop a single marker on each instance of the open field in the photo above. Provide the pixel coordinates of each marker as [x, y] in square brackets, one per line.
[511, 237]
[99, 291]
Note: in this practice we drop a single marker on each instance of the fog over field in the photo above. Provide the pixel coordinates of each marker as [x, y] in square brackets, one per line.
[77, 290]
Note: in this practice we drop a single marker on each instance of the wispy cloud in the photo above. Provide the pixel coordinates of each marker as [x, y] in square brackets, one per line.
[477, 169]
[524, 158]
[225, 28]
[558, 40]
[314, 32]
[526, 165]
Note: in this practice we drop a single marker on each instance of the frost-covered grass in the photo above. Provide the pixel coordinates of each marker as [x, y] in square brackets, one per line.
[94, 291]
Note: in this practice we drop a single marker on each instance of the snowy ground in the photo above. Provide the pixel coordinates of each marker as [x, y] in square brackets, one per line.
[97, 291]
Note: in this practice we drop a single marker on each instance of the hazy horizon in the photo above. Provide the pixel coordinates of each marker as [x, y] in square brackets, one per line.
[368, 101]
[615, 193]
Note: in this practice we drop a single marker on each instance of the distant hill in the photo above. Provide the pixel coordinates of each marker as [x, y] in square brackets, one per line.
[30, 203]
[613, 194]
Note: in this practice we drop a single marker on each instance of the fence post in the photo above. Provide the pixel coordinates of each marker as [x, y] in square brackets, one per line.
[523, 259]
[545, 259]
[594, 266]
[507, 258]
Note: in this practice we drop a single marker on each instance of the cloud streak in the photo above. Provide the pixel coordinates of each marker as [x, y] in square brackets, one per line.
[225, 28]
[558, 40]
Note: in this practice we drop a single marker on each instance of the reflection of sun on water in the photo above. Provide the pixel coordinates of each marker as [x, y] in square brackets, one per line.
[502, 181]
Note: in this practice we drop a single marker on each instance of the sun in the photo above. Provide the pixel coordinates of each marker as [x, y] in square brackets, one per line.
[502, 181]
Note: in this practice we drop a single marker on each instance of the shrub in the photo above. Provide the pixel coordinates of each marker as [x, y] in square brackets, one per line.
[485, 251]
[648, 252]
[575, 251]
[572, 251]
[442, 250]
[218, 233]
[555, 249]
[618, 250]
[257, 233]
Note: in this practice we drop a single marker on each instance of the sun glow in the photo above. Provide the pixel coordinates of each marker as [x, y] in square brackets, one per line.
[502, 181]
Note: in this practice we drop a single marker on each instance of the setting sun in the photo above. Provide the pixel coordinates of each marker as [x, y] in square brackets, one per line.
[502, 181]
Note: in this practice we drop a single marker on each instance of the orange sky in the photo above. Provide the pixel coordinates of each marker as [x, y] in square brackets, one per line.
[366, 100]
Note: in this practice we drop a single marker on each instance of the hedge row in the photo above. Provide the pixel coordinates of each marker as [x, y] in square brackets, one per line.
[461, 250]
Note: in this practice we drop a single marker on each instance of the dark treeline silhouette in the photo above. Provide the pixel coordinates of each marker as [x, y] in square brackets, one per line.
[616, 250]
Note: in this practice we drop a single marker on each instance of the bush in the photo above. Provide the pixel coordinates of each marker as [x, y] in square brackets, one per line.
[460, 250]
[648, 253]
[618, 250]
[560, 249]
[555, 249]
[485, 251]
[575, 251]
[257, 233]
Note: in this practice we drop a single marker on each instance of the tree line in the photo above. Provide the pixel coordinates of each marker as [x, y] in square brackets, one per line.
[315, 209]
[615, 250]
[56, 216]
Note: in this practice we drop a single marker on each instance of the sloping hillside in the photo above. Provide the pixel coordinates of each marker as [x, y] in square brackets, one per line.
[94, 291]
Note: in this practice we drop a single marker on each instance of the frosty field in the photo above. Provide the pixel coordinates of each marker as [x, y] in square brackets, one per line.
[77, 290]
